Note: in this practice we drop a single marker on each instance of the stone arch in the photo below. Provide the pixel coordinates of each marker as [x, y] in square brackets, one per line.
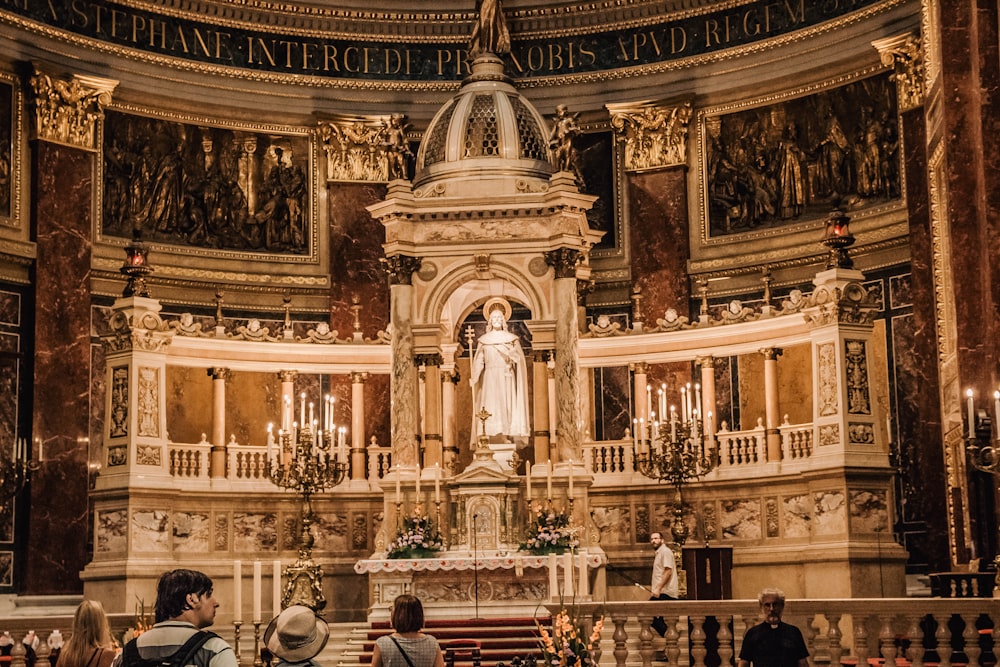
[456, 294]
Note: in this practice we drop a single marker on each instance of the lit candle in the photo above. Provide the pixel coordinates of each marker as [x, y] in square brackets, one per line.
[437, 482]
[276, 589]
[635, 434]
[238, 591]
[270, 440]
[397, 485]
[709, 426]
[663, 398]
[527, 480]
[649, 401]
[312, 419]
[548, 481]
[996, 410]
[302, 409]
[684, 409]
[256, 591]
[673, 424]
[418, 483]
[972, 414]
[570, 494]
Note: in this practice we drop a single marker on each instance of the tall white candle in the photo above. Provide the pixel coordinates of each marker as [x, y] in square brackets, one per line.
[663, 398]
[238, 590]
[684, 408]
[567, 575]
[570, 493]
[312, 419]
[553, 578]
[256, 591]
[437, 482]
[398, 496]
[276, 589]
[697, 397]
[548, 480]
[527, 480]
[649, 402]
[302, 410]
[635, 434]
[972, 413]
[418, 483]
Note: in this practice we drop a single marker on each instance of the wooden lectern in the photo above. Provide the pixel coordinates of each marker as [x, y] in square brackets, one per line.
[709, 572]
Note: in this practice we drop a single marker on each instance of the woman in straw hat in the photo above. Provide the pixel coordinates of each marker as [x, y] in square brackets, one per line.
[407, 646]
[296, 636]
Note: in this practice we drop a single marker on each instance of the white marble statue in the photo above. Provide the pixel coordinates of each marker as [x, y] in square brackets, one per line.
[499, 376]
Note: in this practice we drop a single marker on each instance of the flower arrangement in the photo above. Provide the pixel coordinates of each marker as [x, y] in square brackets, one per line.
[565, 646]
[417, 539]
[550, 534]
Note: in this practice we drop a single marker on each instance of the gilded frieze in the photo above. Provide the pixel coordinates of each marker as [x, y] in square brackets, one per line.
[118, 426]
[11, 141]
[246, 191]
[856, 368]
[148, 406]
[826, 357]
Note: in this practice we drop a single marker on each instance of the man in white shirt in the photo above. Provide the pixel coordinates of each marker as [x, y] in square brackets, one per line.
[663, 583]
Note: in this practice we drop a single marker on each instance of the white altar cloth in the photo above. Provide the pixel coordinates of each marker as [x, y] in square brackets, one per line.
[446, 561]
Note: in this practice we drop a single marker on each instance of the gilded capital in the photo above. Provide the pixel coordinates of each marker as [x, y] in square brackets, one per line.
[654, 135]
[401, 268]
[771, 353]
[67, 110]
[564, 261]
[217, 373]
[705, 362]
[429, 359]
[288, 376]
[359, 377]
[370, 149]
[904, 55]
[639, 367]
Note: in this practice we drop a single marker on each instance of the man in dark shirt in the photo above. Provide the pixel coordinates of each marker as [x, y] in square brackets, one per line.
[773, 643]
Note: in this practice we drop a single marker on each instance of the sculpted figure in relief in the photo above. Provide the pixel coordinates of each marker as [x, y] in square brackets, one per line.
[499, 376]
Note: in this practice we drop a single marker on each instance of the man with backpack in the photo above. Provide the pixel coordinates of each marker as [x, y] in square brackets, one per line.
[185, 604]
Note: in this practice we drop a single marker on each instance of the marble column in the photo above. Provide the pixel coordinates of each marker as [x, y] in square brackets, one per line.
[432, 409]
[449, 379]
[567, 368]
[217, 466]
[403, 375]
[358, 472]
[772, 415]
[62, 177]
[540, 407]
[709, 410]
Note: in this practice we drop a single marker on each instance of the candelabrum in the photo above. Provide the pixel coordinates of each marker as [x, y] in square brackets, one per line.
[15, 471]
[677, 453]
[307, 463]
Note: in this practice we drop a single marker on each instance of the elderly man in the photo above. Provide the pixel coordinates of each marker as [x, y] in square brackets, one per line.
[773, 643]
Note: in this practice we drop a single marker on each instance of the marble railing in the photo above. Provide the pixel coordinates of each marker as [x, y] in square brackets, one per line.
[883, 631]
[611, 462]
[878, 631]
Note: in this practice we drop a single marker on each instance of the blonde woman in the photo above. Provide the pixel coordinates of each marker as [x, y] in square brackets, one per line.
[90, 645]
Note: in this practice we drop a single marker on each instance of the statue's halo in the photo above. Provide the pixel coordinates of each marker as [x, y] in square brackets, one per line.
[497, 302]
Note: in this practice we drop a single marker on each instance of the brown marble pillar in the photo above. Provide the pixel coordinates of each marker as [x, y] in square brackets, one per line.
[658, 233]
[57, 534]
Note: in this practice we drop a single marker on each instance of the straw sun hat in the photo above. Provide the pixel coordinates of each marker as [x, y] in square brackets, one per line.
[296, 634]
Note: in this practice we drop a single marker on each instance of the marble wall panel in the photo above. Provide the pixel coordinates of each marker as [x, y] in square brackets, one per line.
[63, 184]
[740, 519]
[192, 532]
[253, 401]
[189, 404]
[289, 532]
[724, 399]
[331, 531]
[355, 250]
[829, 512]
[221, 530]
[796, 514]
[612, 402]
[10, 308]
[150, 531]
[658, 240]
[868, 510]
[7, 513]
[255, 531]
[751, 390]
[6, 568]
[112, 531]
[614, 524]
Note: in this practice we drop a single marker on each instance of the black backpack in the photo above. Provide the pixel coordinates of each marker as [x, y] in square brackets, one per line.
[182, 657]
